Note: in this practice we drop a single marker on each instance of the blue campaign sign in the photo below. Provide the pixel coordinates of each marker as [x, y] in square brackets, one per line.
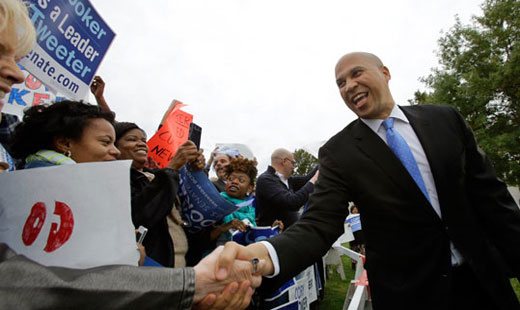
[254, 234]
[354, 221]
[201, 202]
[72, 40]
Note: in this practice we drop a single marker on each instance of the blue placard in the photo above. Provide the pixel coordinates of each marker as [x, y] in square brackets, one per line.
[72, 40]
[254, 234]
[355, 222]
[201, 202]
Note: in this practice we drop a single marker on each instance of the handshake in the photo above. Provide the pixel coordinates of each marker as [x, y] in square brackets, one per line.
[227, 278]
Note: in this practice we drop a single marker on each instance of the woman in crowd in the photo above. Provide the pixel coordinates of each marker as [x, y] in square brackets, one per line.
[65, 132]
[154, 194]
[17, 36]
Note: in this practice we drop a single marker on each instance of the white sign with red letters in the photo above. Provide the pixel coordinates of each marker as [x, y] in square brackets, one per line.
[75, 216]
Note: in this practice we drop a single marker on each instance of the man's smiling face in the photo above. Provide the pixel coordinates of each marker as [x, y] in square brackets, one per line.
[363, 84]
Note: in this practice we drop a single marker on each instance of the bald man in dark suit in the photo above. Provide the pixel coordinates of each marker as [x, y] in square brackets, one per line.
[442, 231]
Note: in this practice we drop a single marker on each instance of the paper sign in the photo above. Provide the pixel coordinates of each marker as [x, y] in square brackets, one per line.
[29, 93]
[297, 293]
[354, 221]
[72, 39]
[201, 202]
[172, 134]
[75, 216]
[235, 149]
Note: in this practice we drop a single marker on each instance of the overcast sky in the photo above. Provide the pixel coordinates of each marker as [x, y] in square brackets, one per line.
[262, 72]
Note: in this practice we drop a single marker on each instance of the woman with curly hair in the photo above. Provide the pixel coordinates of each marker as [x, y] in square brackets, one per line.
[241, 174]
[65, 132]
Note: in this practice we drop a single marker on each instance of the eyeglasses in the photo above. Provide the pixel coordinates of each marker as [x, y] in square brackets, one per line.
[292, 161]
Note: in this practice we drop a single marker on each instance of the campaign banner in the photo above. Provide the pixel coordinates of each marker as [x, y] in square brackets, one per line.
[354, 222]
[295, 294]
[75, 216]
[173, 133]
[201, 202]
[72, 40]
[254, 234]
[29, 93]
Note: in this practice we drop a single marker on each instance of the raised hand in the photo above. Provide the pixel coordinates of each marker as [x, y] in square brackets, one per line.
[186, 153]
[97, 87]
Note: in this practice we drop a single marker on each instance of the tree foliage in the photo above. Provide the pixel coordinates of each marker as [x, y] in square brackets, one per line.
[479, 74]
[305, 162]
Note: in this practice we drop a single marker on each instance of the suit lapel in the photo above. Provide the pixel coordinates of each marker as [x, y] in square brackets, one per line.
[373, 147]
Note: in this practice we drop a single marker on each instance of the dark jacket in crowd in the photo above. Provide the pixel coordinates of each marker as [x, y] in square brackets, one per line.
[277, 202]
[152, 202]
[219, 185]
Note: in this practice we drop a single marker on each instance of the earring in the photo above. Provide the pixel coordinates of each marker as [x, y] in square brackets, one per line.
[67, 153]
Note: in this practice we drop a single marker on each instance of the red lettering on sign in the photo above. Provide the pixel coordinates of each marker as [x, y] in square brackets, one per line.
[38, 98]
[58, 237]
[32, 83]
[34, 223]
[172, 134]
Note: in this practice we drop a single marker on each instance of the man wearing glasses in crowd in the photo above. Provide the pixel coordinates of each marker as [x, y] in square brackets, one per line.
[279, 195]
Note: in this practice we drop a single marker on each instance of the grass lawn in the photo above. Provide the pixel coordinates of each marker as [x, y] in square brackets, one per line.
[336, 289]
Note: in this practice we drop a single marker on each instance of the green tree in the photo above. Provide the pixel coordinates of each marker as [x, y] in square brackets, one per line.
[479, 74]
[305, 162]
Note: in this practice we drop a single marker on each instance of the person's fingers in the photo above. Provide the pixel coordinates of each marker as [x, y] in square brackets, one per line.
[228, 298]
[227, 257]
[245, 292]
[206, 302]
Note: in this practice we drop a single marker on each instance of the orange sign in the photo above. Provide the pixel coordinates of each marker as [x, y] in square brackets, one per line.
[172, 134]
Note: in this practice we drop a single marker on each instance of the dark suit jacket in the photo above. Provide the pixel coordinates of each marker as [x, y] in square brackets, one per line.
[219, 185]
[407, 244]
[277, 202]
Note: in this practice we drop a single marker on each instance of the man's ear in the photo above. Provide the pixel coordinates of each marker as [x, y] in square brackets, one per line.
[61, 144]
[386, 73]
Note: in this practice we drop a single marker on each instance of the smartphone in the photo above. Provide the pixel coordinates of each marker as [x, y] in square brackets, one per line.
[140, 234]
[195, 133]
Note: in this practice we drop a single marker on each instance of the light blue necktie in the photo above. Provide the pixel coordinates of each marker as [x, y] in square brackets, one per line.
[401, 149]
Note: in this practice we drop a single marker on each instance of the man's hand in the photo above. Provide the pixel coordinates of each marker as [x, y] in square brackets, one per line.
[233, 251]
[315, 177]
[206, 282]
[187, 152]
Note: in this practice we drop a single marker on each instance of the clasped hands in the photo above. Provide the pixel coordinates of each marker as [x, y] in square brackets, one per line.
[226, 279]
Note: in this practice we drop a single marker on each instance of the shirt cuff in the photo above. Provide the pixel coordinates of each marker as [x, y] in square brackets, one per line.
[274, 258]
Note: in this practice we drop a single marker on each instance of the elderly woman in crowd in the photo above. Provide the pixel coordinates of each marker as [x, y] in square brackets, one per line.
[17, 37]
[154, 194]
[65, 132]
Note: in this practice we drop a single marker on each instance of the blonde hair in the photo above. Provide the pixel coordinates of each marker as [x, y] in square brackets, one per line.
[14, 13]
